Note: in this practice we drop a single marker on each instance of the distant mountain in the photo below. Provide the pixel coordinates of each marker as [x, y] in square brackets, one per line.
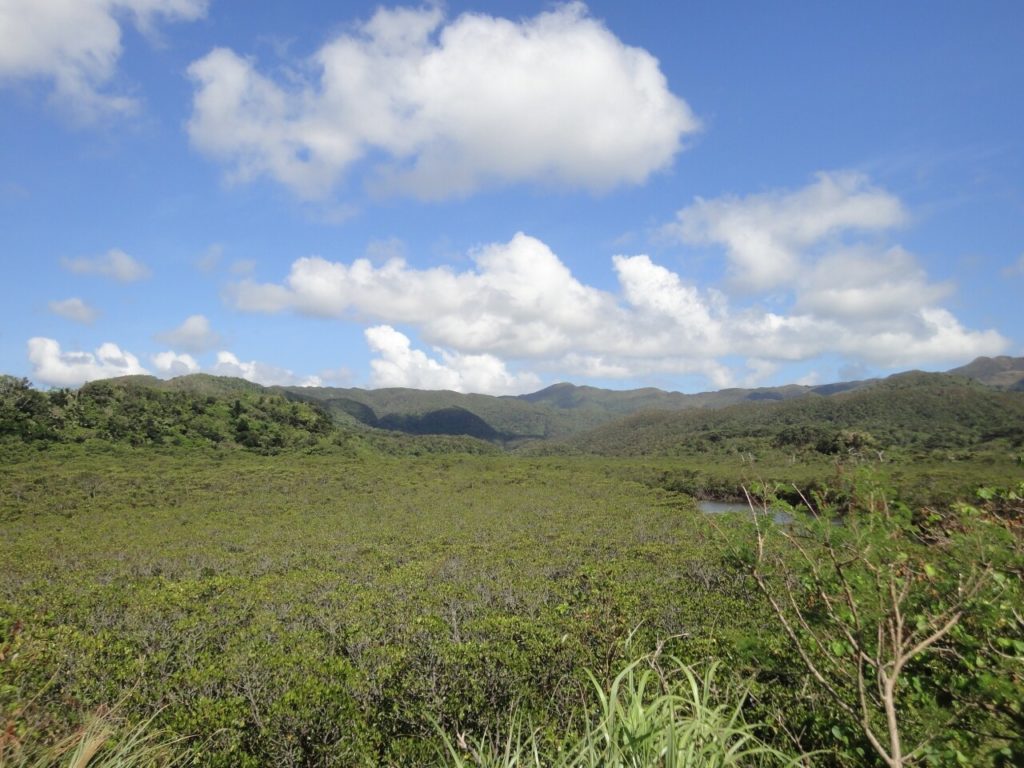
[505, 420]
[920, 410]
[571, 397]
[562, 410]
[1002, 372]
[557, 412]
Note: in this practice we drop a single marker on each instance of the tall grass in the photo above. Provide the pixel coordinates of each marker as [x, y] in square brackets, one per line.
[99, 743]
[650, 716]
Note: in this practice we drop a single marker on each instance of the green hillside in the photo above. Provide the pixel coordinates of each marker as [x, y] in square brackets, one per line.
[914, 411]
[199, 411]
[1003, 372]
[564, 409]
[501, 419]
[557, 411]
[571, 397]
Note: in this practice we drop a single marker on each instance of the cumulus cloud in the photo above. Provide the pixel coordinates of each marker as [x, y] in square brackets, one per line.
[862, 285]
[261, 373]
[193, 335]
[54, 367]
[171, 363]
[114, 263]
[399, 365]
[519, 302]
[74, 309]
[75, 45]
[766, 235]
[450, 106]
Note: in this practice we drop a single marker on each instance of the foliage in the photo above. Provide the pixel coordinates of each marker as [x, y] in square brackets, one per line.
[899, 618]
[324, 609]
[235, 566]
[652, 714]
[912, 412]
[137, 414]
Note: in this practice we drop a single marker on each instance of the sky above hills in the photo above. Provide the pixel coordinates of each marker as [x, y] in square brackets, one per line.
[496, 196]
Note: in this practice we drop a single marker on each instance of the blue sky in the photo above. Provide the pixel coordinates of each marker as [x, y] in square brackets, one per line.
[494, 197]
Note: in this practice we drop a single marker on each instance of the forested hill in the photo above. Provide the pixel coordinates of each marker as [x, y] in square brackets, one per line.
[923, 411]
[197, 411]
[982, 399]
[562, 410]
[1001, 372]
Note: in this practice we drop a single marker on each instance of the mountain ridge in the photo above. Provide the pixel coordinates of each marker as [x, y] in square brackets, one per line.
[563, 409]
[557, 412]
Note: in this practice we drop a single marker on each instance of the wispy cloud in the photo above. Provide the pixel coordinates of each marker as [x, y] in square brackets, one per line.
[74, 309]
[115, 263]
[193, 335]
[766, 235]
[1016, 269]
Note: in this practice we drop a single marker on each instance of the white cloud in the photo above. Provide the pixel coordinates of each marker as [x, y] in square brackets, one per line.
[451, 106]
[193, 335]
[76, 44]
[336, 377]
[658, 295]
[261, 373]
[53, 367]
[758, 370]
[766, 235]
[519, 302]
[860, 284]
[171, 363]
[622, 365]
[929, 335]
[809, 379]
[74, 309]
[399, 365]
[114, 263]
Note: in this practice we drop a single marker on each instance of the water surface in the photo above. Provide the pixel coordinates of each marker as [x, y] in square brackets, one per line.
[722, 507]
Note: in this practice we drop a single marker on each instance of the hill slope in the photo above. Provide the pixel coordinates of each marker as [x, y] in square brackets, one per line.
[919, 410]
[196, 412]
[1002, 372]
[555, 413]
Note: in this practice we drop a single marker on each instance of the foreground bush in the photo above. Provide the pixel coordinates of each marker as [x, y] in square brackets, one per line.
[653, 714]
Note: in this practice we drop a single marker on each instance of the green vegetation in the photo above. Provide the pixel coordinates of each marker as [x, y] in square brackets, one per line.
[258, 583]
[915, 414]
[651, 715]
[871, 608]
